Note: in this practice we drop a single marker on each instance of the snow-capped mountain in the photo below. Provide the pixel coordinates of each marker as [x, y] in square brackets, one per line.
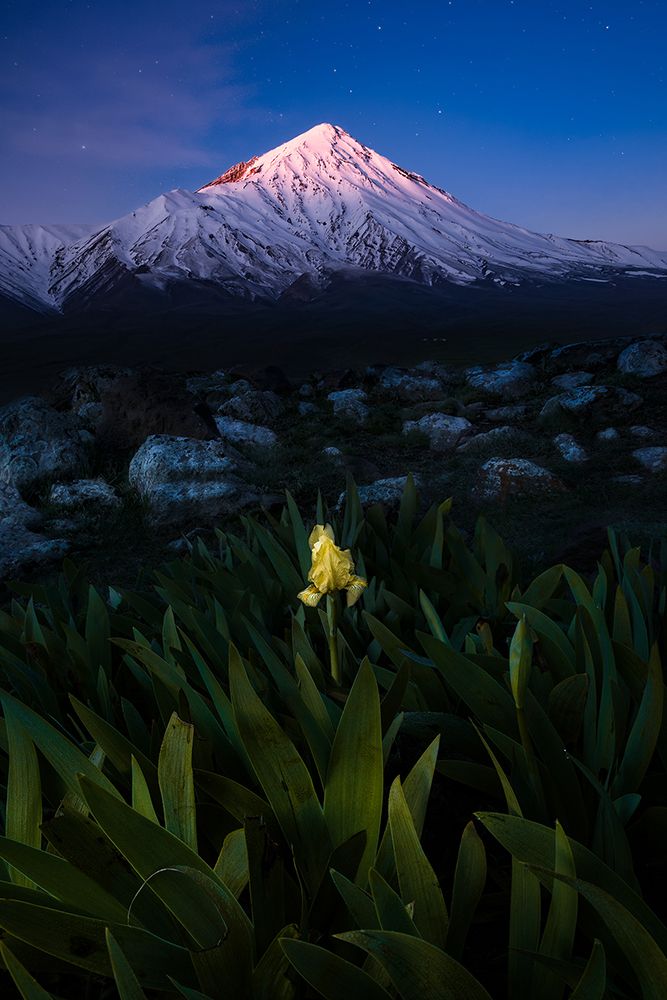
[320, 204]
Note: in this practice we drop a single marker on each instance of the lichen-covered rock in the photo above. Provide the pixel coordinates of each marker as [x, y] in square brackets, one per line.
[350, 404]
[645, 359]
[38, 442]
[184, 479]
[511, 380]
[591, 400]
[570, 449]
[586, 354]
[255, 406]
[502, 477]
[84, 493]
[572, 380]
[444, 432]
[22, 547]
[242, 432]
[654, 459]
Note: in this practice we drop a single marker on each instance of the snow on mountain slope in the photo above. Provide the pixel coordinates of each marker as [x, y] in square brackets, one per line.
[320, 203]
[27, 254]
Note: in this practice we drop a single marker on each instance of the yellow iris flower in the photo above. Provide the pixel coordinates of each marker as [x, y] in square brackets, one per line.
[331, 569]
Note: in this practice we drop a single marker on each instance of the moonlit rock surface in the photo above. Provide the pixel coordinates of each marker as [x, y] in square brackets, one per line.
[444, 432]
[654, 459]
[570, 449]
[319, 204]
[645, 359]
[242, 432]
[503, 477]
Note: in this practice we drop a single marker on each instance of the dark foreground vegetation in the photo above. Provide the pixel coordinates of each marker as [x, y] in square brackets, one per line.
[194, 807]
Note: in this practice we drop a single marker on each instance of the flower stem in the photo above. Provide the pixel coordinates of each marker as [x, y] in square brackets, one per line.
[333, 639]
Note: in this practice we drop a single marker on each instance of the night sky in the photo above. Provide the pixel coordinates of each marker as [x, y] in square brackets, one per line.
[553, 116]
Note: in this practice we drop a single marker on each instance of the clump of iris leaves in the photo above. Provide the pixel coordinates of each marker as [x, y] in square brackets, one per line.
[192, 805]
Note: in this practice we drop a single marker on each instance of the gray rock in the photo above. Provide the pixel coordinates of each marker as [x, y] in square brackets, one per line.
[242, 432]
[645, 359]
[185, 479]
[570, 448]
[332, 452]
[654, 459]
[628, 480]
[306, 391]
[590, 400]
[504, 414]
[537, 353]
[388, 492]
[490, 439]
[306, 409]
[208, 382]
[443, 431]
[408, 386]
[22, 547]
[38, 442]
[350, 404]
[640, 431]
[502, 477]
[572, 380]
[511, 380]
[256, 406]
[586, 354]
[608, 434]
[84, 493]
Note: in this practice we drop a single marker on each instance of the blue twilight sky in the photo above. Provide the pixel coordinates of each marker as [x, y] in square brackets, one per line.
[550, 115]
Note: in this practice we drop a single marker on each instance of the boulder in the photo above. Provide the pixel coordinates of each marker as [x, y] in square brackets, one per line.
[444, 432]
[537, 353]
[94, 493]
[587, 354]
[81, 389]
[184, 479]
[608, 434]
[591, 401]
[242, 432]
[38, 442]
[494, 438]
[502, 477]
[644, 359]
[505, 414]
[350, 404]
[388, 492]
[510, 380]
[22, 547]
[640, 431]
[256, 406]
[570, 449]
[572, 380]
[150, 402]
[408, 386]
[654, 459]
[306, 409]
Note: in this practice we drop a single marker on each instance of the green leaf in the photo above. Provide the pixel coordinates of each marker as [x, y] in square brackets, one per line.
[82, 942]
[141, 796]
[127, 983]
[561, 924]
[645, 731]
[469, 882]
[176, 781]
[28, 987]
[232, 864]
[593, 982]
[416, 878]
[647, 960]
[353, 790]
[521, 655]
[284, 777]
[333, 977]
[392, 912]
[63, 756]
[23, 810]
[417, 969]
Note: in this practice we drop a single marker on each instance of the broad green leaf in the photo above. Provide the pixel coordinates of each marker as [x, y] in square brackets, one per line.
[416, 878]
[272, 977]
[353, 790]
[82, 942]
[392, 912]
[176, 781]
[645, 731]
[417, 969]
[521, 655]
[358, 902]
[142, 801]
[127, 983]
[28, 987]
[469, 882]
[232, 864]
[23, 810]
[561, 924]
[333, 977]
[284, 777]
[593, 982]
